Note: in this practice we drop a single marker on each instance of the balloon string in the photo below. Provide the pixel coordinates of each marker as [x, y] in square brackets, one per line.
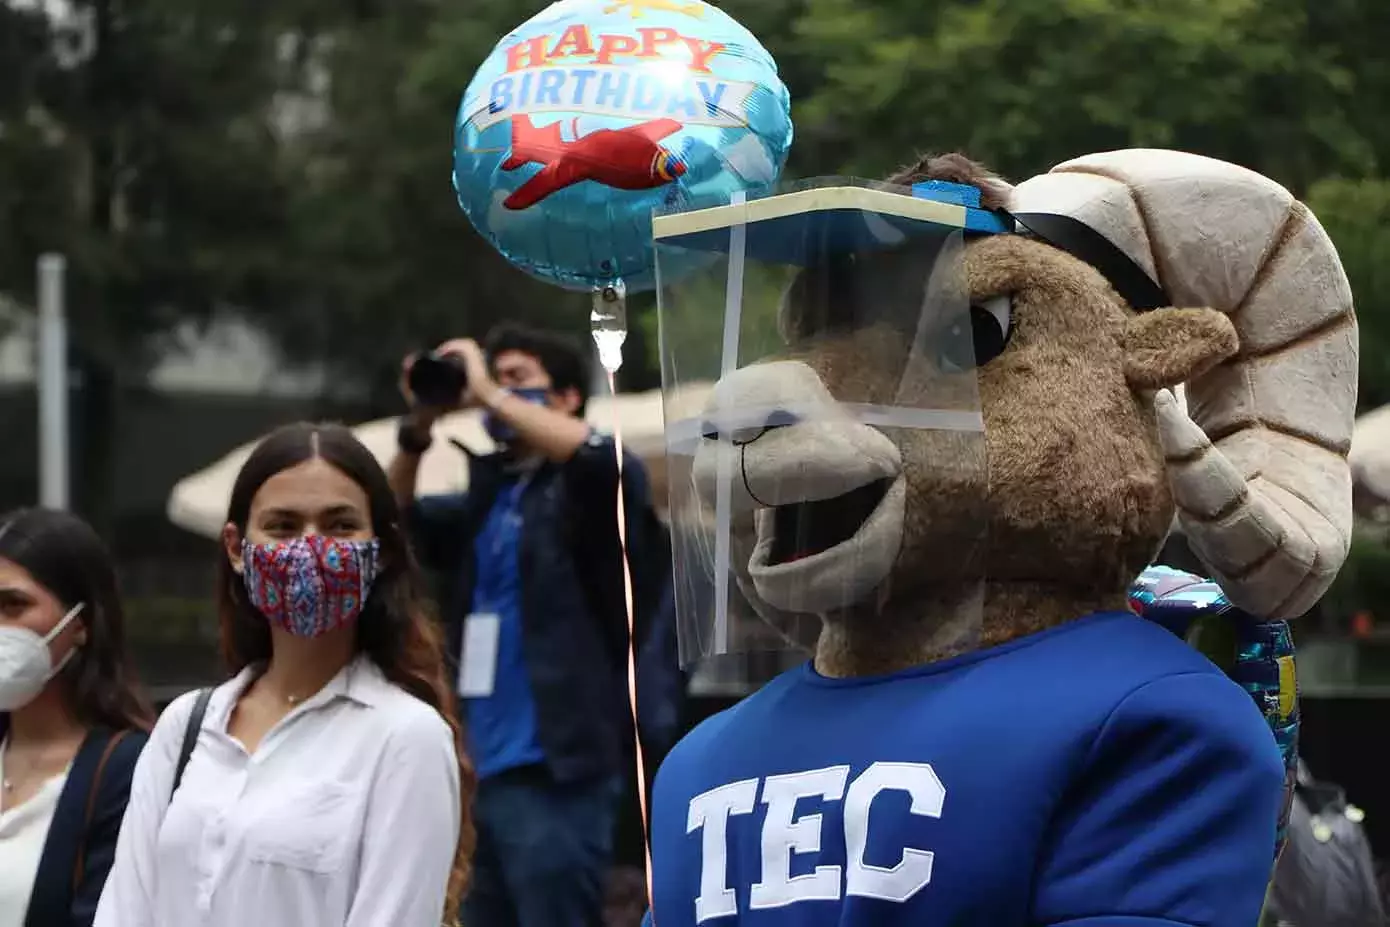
[631, 645]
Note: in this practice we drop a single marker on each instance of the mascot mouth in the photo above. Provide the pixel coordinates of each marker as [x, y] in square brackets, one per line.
[824, 555]
[851, 532]
[817, 506]
[802, 530]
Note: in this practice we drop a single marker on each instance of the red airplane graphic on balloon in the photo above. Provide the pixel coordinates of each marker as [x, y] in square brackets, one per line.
[626, 159]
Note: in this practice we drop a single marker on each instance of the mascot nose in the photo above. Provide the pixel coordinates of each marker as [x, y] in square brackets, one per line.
[745, 406]
[751, 401]
[773, 435]
[710, 429]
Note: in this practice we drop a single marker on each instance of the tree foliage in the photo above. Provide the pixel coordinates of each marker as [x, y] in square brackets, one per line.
[142, 147]
[390, 263]
[137, 141]
[161, 159]
[1024, 84]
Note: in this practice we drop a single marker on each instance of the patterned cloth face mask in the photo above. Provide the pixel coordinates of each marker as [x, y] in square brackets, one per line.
[311, 585]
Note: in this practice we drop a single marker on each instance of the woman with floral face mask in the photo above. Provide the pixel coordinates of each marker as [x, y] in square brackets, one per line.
[324, 784]
[72, 721]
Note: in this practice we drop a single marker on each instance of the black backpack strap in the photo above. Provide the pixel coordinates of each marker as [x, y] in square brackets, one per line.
[190, 737]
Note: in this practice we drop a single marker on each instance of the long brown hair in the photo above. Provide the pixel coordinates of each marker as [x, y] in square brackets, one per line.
[397, 629]
[67, 558]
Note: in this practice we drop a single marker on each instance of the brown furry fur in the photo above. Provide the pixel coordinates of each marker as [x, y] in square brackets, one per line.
[1162, 345]
[1071, 500]
[957, 168]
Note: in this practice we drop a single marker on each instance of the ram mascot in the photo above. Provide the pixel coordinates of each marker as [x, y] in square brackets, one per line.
[958, 467]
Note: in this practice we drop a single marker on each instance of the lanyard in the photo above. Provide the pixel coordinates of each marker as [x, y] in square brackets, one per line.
[507, 528]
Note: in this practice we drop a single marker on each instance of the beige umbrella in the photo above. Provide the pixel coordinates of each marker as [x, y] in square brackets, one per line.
[198, 503]
[1370, 463]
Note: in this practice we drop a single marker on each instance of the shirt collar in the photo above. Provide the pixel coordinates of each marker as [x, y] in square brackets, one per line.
[360, 681]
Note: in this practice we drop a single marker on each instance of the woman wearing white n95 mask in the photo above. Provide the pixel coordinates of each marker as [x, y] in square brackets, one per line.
[71, 720]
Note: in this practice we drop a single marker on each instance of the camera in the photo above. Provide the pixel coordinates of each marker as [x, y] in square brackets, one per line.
[437, 379]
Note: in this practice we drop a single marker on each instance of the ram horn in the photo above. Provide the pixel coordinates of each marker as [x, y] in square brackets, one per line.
[1258, 462]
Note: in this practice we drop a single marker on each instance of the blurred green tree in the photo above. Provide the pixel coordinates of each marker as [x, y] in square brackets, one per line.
[291, 160]
[141, 141]
[390, 263]
[1020, 84]
[1024, 84]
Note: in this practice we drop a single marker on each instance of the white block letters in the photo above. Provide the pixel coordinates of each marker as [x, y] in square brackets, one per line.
[711, 811]
[784, 834]
[913, 872]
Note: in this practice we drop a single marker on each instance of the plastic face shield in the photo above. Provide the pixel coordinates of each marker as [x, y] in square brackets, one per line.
[825, 445]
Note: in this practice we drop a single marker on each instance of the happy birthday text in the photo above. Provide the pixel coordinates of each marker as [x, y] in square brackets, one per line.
[576, 42]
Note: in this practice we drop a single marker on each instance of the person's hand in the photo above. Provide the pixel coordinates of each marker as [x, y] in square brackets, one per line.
[482, 389]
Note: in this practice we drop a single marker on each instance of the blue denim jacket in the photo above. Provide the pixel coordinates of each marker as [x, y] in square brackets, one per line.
[573, 616]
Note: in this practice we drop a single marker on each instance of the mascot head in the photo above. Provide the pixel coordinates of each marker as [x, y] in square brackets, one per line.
[1110, 282]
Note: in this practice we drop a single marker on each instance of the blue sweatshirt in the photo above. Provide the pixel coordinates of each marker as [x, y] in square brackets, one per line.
[1099, 774]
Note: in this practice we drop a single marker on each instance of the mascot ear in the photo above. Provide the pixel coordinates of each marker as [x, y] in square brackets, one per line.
[1170, 346]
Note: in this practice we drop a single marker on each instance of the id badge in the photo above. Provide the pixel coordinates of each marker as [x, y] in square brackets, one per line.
[478, 670]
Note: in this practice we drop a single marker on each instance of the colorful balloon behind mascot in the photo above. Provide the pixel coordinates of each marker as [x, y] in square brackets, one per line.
[595, 113]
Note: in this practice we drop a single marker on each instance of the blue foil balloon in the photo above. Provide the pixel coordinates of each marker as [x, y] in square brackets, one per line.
[593, 114]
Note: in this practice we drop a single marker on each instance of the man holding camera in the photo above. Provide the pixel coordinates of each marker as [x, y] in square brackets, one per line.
[536, 615]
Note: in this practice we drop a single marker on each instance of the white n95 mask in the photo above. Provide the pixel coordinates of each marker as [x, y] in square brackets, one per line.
[25, 663]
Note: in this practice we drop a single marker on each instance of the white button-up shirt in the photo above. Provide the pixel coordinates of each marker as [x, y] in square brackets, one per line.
[347, 815]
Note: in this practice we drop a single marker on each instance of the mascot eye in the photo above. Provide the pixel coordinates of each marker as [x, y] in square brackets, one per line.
[964, 347]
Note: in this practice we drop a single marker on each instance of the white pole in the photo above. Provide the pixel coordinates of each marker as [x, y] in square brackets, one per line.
[52, 357]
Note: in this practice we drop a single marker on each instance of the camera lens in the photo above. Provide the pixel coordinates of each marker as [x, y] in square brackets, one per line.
[436, 380]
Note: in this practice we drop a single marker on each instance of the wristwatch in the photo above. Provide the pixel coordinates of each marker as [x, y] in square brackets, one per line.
[412, 436]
